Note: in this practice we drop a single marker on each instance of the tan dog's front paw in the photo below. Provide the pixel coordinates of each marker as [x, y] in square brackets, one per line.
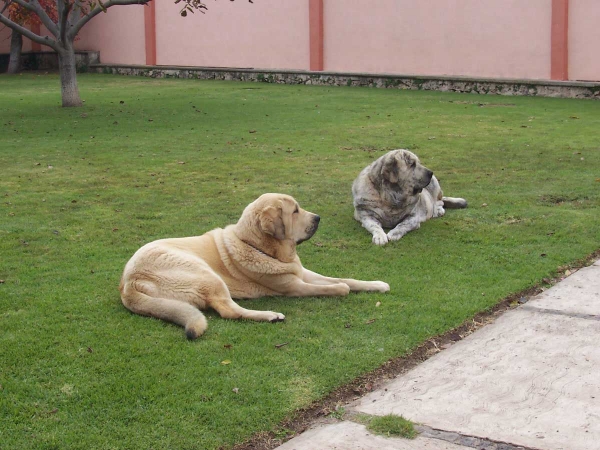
[343, 288]
[381, 286]
[275, 317]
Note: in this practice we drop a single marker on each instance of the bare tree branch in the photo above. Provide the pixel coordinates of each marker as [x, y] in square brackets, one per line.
[63, 8]
[97, 10]
[29, 34]
[44, 17]
[6, 5]
[76, 14]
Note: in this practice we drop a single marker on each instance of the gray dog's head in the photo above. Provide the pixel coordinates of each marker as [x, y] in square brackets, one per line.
[402, 171]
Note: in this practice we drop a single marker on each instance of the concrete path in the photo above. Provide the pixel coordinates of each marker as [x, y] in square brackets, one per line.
[530, 380]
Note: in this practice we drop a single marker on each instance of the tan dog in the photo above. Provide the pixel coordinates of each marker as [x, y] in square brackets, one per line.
[172, 279]
[396, 191]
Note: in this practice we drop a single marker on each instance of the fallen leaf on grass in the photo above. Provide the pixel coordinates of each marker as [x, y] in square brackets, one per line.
[281, 345]
[370, 321]
[377, 305]
[227, 346]
[225, 362]
[235, 390]
[252, 131]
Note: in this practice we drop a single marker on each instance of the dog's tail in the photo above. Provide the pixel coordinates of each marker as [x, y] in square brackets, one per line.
[178, 312]
[454, 203]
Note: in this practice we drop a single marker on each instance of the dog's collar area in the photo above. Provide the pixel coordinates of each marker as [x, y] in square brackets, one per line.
[257, 249]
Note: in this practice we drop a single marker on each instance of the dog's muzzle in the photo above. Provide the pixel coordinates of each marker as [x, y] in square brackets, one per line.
[311, 230]
[426, 182]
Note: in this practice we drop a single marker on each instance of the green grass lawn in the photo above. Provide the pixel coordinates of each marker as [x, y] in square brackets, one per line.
[82, 189]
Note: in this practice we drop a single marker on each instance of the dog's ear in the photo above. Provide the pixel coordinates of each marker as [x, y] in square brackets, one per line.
[271, 222]
[389, 171]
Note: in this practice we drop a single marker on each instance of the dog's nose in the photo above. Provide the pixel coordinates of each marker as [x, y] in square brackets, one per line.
[317, 219]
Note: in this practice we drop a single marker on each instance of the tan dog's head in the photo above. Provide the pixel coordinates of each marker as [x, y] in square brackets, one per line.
[279, 217]
[403, 171]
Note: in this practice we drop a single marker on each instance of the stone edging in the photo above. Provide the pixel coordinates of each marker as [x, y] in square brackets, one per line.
[542, 88]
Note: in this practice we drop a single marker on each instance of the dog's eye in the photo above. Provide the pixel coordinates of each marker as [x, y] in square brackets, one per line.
[413, 164]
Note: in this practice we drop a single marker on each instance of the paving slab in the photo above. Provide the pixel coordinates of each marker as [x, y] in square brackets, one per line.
[531, 378]
[352, 436]
[577, 294]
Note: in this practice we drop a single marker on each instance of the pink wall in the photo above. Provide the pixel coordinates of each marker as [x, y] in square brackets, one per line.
[505, 39]
[584, 40]
[4, 39]
[118, 34]
[478, 38]
[266, 34]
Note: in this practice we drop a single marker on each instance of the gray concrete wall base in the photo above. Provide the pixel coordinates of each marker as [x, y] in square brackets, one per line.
[542, 88]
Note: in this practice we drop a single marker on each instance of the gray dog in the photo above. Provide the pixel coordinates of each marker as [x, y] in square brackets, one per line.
[397, 192]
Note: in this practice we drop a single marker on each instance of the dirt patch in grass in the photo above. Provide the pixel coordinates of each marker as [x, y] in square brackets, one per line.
[326, 408]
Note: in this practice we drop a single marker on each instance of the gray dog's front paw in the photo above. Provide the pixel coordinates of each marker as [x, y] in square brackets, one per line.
[380, 238]
[395, 236]
[439, 209]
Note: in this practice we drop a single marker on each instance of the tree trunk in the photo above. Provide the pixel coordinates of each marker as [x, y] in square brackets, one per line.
[68, 77]
[16, 45]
